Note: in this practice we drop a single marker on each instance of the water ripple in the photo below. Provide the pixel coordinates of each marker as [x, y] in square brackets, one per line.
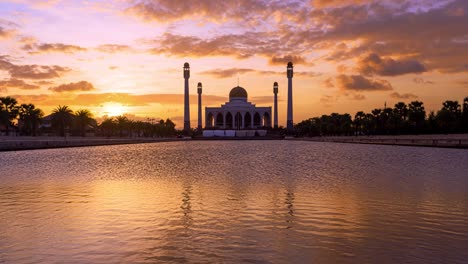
[234, 202]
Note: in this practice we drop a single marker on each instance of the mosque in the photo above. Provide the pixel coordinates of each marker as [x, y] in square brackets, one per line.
[238, 117]
[238, 113]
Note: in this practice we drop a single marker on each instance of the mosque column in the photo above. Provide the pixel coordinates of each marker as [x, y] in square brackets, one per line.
[243, 120]
[252, 115]
[275, 115]
[199, 91]
[233, 121]
[224, 119]
[186, 98]
[289, 74]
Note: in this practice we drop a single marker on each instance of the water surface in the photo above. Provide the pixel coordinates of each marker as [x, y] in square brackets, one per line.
[231, 202]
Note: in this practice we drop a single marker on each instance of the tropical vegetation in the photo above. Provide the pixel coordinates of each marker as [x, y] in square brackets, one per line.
[26, 119]
[401, 119]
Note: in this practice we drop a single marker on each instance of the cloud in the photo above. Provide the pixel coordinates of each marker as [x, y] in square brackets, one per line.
[6, 33]
[113, 48]
[361, 83]
[40, 48]
[425, 31]
[227, 73]
[358, 97]
[419, 80]
[72, 87]
[16, 83]
[285, 59]
[266, 99]
[373, 64]
[240, 46]
[7, 30]
[337, 3]
[169, 10]
[231, 72]
[463, 82]
[327, 99]
[44, 82]
[33, 71]
[397, 95]
[329, 83]
[408, 36]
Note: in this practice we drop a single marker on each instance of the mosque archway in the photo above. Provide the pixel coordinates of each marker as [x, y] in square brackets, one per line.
[229, 120]
[266, 120]
[238, 121]
[219, 120]
[248, 120]
[209, 120]
[257, 120]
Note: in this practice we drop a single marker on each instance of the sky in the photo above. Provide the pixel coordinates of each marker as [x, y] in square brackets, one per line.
[126, 56]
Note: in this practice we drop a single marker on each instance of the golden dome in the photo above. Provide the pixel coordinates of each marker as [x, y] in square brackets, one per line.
[238, 92]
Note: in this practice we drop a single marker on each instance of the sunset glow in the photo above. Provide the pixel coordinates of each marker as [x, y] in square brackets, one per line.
[113, 109]
[349, 56]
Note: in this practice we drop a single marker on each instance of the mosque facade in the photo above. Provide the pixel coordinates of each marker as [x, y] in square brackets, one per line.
[238, 113]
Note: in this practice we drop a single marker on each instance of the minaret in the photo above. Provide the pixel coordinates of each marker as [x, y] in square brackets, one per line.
[289, 125]
[186, 98]
[275, 111]
[199, 90]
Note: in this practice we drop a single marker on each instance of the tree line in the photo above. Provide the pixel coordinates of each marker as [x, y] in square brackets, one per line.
[26, 119]
[401, 119]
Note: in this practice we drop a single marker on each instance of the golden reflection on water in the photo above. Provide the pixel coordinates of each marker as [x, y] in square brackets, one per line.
[161, 205]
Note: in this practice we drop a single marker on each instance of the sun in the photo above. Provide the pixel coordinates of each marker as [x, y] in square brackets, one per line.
[113, 109]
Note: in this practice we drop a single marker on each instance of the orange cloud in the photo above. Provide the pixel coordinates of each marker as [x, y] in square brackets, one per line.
[72, 87]
[113, 48]
[373, 64]
[226, 73]
[16, 83]
[397, 95]
[289, 58]
[31, 71]
[39, 48]
[360, 83]
[6, 33]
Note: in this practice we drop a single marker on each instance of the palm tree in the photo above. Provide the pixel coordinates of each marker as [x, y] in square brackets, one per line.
[359, 120]
[107, 127]
[416, 115]
[449, 116]
[400, 113]
[62, 117]
[31, 117]
[122, 124]
[83, 118]
[8, 112]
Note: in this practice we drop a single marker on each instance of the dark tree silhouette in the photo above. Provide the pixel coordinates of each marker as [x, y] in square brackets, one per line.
[416, 116]
[83, 119]
[62, 117]
[448, 118]
[30, 117]
[8, 112]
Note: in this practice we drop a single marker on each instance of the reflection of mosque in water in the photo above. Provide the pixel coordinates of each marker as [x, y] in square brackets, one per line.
[238, 113]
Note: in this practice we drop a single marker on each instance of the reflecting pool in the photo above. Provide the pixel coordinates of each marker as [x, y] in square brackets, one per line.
[234, 202]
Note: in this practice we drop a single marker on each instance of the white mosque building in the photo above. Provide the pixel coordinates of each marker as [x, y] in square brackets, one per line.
[238, 113]
[238, 117]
